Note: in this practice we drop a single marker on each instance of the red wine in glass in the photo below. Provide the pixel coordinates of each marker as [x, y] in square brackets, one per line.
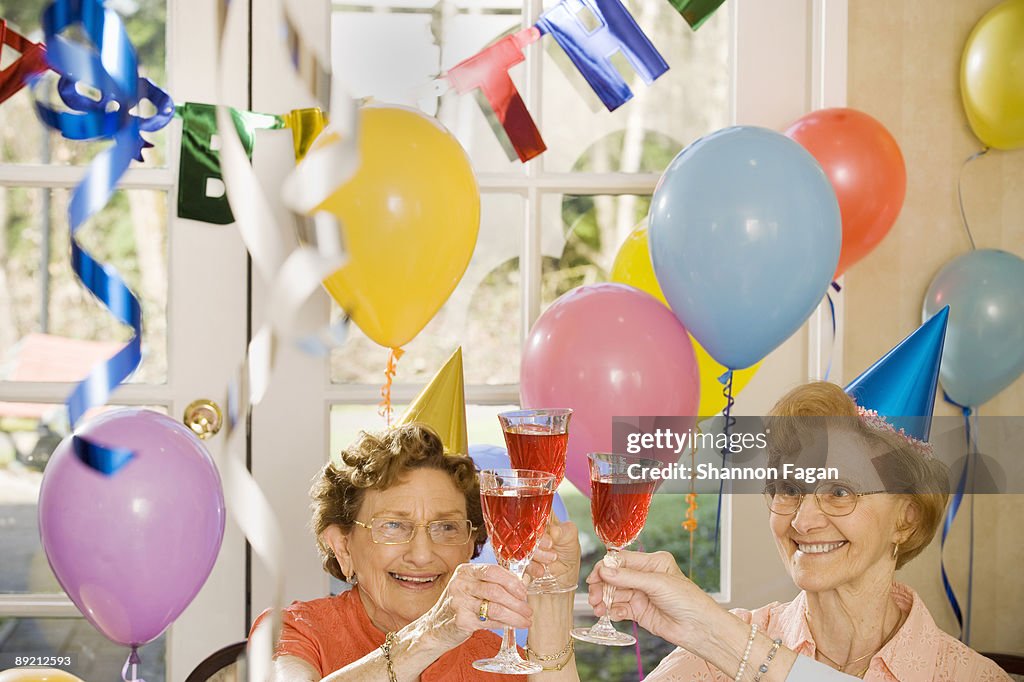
[619, 506]
[538, 440]
[621, 490]
[516, 504]
[515, 520]
[531, 446]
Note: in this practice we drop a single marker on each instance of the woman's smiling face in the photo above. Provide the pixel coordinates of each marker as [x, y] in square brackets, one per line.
[823, 552]
[399, 583]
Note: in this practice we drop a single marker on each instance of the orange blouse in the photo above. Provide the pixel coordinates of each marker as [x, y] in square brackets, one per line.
[332, 632]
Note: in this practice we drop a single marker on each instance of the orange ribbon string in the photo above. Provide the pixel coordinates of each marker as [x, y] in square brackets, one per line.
[690, 524]
[384, 408]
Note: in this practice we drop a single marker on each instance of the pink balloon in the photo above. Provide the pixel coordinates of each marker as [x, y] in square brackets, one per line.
[608, 350]
[132, 549]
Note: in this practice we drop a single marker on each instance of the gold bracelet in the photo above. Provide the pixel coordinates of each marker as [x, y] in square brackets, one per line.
[569, 649]
[389, 641]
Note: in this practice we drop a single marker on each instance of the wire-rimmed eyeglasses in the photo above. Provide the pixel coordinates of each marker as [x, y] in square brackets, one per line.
[832, 498]
[387, 531]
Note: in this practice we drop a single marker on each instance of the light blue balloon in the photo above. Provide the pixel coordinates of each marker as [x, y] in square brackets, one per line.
[984, 350]
[745, 236]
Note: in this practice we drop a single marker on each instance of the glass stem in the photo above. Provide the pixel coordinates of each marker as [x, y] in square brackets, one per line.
[604, 623]
[508, 640]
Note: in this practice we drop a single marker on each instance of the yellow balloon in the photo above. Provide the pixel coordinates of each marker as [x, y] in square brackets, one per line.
[992, 76]
[410, 216]
[633, 266]
[37, 675]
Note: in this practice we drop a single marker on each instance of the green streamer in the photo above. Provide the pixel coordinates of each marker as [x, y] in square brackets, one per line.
[198, 197]
[696, 12]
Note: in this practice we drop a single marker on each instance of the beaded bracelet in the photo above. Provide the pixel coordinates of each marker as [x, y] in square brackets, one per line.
[389, 641]
[569, 649]
[746, 654]
[776, 643]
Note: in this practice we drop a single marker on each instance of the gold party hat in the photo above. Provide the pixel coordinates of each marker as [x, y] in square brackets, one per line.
[442, 406]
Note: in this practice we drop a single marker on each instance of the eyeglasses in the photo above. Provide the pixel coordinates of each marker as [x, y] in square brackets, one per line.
[384, 531]
[833, 499]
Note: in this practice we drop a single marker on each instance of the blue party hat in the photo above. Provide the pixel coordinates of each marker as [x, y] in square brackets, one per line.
[901, 386]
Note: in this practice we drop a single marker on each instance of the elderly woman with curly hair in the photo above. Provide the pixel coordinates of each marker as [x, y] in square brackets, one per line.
[841, 542]
[399, 520]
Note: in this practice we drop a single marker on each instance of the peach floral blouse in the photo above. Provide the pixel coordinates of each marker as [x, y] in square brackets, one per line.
[919, 652]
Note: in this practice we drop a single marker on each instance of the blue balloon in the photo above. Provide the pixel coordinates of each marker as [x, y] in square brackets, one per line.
[745, 235]
[984, 352]
[496, 457]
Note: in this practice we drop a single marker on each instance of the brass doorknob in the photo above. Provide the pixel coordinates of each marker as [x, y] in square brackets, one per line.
[204, 417]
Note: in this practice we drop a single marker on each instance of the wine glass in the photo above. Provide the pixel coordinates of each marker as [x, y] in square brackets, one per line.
[516, 505]
[537, 439]
[621, 489]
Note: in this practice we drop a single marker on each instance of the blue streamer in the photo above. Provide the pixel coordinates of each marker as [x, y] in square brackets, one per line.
[832, 316]
[726, 381]
[947, 524]
[591, 50]
[109, 66]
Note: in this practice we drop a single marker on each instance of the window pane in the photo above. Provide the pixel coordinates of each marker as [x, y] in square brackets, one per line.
[93, 656]
[690, 100]
[51, 327]
[581, 235]
[29, 432]
[482, 315]
[23, 139]
[390, 51]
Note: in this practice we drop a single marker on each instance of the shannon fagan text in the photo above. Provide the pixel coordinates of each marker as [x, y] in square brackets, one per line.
[712, 472]
[665, 439]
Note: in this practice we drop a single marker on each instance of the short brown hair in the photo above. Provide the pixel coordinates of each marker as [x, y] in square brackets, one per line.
[377, 461]
[924, 480]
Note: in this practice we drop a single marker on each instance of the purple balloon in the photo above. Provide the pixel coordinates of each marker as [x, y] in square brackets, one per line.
[133, 549]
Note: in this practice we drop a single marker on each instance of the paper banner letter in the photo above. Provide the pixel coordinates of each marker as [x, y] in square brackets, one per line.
[504, 107]
[31, 61]
[696, 12]
[201, 194]
[591, 49]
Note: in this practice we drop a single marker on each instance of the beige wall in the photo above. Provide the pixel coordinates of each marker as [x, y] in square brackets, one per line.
[904, 61]
[903, 68]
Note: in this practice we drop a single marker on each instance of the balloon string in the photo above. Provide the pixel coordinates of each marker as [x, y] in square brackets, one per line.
[384, 408]
[960, 193]
[690, 524]
[951, 511]
[133, 663]
[730, 421]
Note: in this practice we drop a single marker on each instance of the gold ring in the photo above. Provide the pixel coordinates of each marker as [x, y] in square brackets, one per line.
[482, 612]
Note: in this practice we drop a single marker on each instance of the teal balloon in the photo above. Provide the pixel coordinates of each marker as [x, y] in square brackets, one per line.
[745, 235]
[984, 354]
[902, 385]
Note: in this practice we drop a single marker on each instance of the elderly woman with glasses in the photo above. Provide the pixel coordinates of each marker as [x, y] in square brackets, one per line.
[841, 542]
[399, 520]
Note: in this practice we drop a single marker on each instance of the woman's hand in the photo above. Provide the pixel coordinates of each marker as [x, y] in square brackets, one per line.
[651, 590]
[456, 614]
[559, 550]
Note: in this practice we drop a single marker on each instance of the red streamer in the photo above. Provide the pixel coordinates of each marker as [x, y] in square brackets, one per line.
[488, 71]
[31, 62]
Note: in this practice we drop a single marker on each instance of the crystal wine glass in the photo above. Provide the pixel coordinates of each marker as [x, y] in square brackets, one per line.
[516, 505]
[538, 439]
[621, 489]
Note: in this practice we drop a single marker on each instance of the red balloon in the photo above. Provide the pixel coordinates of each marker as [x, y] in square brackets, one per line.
[608, 350]
[865, 166]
